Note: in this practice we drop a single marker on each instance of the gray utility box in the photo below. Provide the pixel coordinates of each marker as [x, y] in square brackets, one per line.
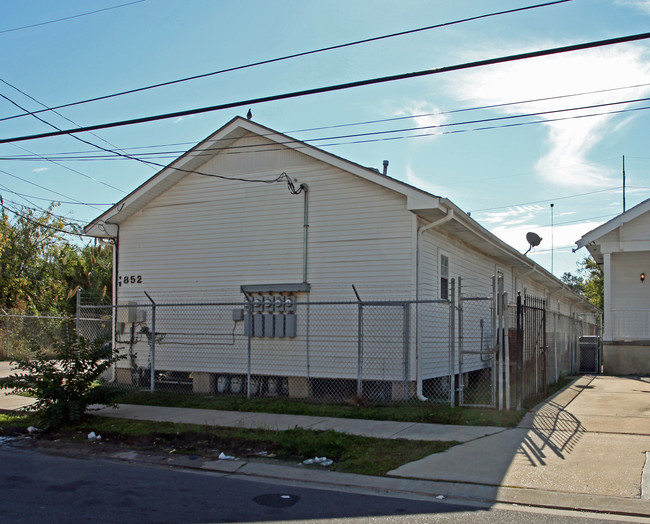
[589, 354]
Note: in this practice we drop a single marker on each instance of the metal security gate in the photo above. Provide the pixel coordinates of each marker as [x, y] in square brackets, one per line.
[531, 347]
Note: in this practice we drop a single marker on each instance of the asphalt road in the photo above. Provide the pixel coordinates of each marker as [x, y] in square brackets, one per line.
[40, 488]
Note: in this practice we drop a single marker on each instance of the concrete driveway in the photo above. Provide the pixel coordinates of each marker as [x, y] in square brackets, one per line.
[592, 438]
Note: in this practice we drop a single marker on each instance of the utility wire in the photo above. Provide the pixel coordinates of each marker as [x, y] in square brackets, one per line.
[297, 55]
[27, 112]
[40, 186]
[44, 226]
[69, 17]
[68, 202]
[339, 87]
[545, 201]
[66, 156]
[72, 136]
[466, 109]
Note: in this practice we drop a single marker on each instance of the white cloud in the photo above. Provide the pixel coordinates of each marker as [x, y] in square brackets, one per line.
[643, 5]
[568, 142]
[558, 237]
[514, 215]
[425, 115]
[426, 185]
[40, 169]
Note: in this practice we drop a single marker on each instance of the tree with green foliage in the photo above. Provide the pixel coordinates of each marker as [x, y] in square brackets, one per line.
[40, 269]
[588, 281]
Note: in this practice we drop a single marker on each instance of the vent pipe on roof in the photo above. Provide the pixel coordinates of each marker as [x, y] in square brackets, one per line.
[385, 172]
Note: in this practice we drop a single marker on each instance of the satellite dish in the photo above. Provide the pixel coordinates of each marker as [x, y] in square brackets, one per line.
[533, 239]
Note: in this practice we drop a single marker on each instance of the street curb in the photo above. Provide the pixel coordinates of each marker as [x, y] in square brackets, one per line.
[307, 476]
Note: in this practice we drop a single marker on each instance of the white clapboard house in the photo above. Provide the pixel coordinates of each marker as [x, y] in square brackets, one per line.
[622, 248]
[250, 214]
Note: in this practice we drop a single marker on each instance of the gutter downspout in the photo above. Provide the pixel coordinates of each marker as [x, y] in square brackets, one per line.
[421, 230]
[116, 249]
[305, 234]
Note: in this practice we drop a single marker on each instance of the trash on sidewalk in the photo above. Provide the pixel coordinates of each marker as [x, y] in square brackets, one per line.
[93, 436]
[32, 429]
[223, 456]
[321, 461]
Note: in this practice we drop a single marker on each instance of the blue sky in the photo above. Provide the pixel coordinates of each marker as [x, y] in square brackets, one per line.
[506, 176]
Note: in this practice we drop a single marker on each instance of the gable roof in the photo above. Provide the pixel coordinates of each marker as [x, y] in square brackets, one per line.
[425, 205]
[221, 140]
[591, 240]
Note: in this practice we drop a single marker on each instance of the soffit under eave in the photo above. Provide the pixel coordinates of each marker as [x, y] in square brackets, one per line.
[502, 254]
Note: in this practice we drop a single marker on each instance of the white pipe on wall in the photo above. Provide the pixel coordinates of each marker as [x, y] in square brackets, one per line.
[418, 248]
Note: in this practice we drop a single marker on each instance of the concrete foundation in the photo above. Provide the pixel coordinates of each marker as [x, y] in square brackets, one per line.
[398, 390]
[203, 383]
[298, 387]
[123, 376]
[626, 357]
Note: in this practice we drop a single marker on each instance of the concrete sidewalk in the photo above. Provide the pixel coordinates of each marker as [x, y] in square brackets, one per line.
[583, 449]
[278, 422]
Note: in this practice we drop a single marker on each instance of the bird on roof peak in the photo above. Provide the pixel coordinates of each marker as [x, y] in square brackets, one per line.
[249, 115]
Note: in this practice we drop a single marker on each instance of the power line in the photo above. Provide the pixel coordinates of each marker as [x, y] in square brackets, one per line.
[69, 17]
[545, 201]
[66, 156]
[68, 202]
[39, 186]
[55, 162]
[296, 55]
[338, 87]
[27, 112]
[44, 226]
[248, 147]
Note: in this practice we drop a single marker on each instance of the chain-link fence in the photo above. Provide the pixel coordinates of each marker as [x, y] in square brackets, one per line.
[21, 335]
[445, 351]
[355, 352]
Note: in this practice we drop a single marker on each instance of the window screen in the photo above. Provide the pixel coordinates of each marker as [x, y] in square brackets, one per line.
[444, 277]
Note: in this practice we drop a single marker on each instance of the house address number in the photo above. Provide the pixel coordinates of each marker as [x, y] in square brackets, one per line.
[128, 280]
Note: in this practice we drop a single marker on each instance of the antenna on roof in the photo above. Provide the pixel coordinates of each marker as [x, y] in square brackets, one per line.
[533, 239]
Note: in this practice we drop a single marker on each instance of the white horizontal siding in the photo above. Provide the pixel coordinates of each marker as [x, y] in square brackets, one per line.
[637, 229]
[208, 233]
[628, 292]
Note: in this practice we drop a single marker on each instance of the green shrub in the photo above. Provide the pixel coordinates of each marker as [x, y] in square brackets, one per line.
[64, 380]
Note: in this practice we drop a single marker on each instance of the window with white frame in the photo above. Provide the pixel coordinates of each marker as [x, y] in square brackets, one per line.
[444, 277]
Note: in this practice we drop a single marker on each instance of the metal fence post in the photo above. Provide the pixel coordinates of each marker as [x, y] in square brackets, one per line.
[452, 345]
[6, 332]
[153, 343]
[249, 329]
[360, 350]
[461, 382]
[78, 312]
[520, 354]
[506, 348]
[407, 345]
[359, 344]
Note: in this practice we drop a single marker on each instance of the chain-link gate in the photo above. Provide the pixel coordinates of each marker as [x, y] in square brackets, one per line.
[477, 350]
[531, 347]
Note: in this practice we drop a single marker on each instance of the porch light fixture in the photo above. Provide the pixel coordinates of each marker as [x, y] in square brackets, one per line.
[642, 277]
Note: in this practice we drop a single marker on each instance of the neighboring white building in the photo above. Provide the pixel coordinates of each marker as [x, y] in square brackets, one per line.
[252, 210]
[622, 248]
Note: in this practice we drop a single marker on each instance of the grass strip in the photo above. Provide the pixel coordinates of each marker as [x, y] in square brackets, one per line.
[350, 453]
[424, 412]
